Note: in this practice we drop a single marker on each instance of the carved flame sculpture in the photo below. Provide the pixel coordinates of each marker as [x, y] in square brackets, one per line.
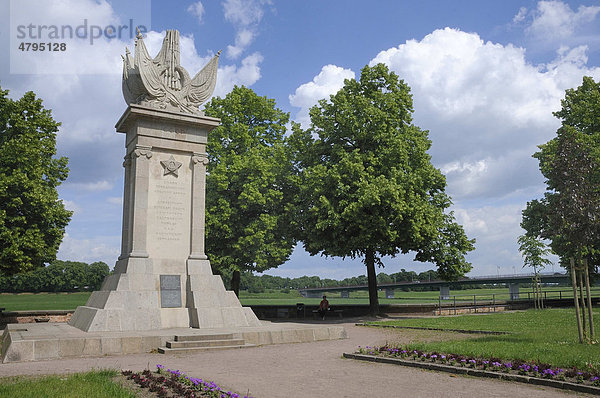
[162, 82]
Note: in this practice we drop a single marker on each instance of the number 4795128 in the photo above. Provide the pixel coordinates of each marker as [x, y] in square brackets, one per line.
[42, 46]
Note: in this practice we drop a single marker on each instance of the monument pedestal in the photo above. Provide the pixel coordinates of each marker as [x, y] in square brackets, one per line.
[163, 278]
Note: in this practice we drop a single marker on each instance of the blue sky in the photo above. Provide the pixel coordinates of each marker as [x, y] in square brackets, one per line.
[485, 77]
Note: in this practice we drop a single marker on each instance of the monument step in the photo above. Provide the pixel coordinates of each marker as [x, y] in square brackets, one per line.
[166, 350]
[205, 343]
[202, 337]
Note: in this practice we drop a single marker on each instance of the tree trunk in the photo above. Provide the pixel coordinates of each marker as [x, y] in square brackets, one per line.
[372, 278]
[582, 298]
[235, 282]
[576, 301]
[589, 297]
[540, 295]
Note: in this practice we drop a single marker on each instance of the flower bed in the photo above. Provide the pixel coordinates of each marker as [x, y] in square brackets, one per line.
[496, 365]
[173, 383]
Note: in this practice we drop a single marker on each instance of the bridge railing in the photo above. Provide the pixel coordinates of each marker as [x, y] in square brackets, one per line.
[520, 275]
[492, 301]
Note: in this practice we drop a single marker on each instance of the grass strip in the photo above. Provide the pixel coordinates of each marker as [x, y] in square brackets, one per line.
[94, 384]
[548, 336]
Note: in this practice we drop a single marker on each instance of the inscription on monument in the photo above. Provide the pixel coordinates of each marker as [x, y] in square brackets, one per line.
[169, 207]
[170, 291]
[170, 210]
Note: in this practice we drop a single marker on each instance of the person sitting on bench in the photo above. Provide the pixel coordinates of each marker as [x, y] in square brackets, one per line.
[323, 307]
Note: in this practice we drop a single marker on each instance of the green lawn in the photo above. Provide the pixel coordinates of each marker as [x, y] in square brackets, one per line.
[96, 384]
[70, 301]
[42, 301]
[548, 336]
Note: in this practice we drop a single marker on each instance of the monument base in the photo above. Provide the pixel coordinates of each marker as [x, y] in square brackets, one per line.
[133, 299]
[44, 341]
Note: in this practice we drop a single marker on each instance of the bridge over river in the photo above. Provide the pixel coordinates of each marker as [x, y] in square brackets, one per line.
[512, 281]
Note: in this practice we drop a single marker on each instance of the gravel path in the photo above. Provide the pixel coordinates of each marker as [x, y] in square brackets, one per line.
[305, 370]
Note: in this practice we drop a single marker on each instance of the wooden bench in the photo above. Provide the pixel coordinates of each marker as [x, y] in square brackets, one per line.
[336, 312]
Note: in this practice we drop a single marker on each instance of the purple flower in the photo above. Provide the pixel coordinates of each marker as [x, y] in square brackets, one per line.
[548, 372]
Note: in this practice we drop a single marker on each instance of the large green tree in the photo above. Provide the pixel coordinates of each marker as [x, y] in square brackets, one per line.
[569, 213]
[32, 217]
[367, 187]
[248, 200]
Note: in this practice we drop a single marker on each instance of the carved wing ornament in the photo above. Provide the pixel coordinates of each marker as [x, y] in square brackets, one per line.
[162, 82]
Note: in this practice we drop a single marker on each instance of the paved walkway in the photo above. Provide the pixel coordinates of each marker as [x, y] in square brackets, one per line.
[304, 370]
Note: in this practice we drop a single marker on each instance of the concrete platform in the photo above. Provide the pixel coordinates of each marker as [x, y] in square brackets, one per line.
[42, 341]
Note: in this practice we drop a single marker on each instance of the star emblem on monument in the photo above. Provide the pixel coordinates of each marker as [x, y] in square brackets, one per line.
[171, 166]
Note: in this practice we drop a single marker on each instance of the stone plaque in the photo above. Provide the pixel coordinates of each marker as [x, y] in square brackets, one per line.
[170, 291]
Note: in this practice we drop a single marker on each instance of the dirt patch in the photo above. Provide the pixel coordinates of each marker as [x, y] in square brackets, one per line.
[132, 386]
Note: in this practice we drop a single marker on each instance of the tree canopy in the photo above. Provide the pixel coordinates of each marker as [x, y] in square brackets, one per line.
[32, 217]
[533, 251]
[367, 187]
[569, 213]
[248, 201]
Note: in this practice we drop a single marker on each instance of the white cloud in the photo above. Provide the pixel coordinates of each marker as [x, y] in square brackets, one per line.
[243, 39]
[197, 10]
[496, 229]
[246, 74]
[556, 20]
[520, 17]
[72, 206]
[88, 49]
[244, 15]
[486, 107]
[327, 82]
[243, 12]
[115, 200]
[494, 223]
[98, 248]
[96, 186]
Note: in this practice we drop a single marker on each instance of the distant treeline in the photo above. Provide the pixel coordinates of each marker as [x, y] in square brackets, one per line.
[73, 276]
[58, 276]
[259, 284]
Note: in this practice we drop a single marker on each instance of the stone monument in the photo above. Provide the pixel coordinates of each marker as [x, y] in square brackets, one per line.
[163, 278]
